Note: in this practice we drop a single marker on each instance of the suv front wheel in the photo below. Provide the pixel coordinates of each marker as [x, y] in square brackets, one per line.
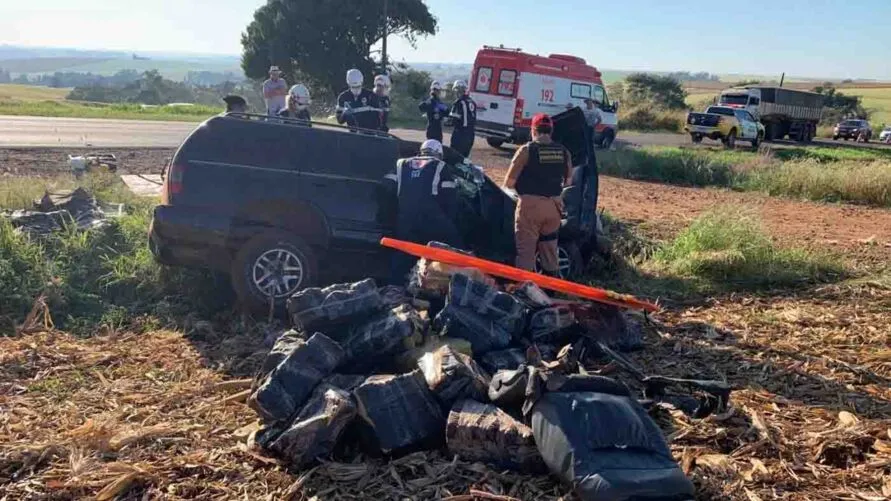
[569, 261]
[272, 266]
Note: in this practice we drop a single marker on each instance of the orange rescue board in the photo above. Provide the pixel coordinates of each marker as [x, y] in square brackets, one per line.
[509, 272]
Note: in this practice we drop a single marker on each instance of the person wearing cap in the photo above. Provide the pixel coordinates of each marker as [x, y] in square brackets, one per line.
[538, 172]
[382, 91]
[275, 90]
[426, 199]
[435, 110]
[463, 118]
[357, 106]
[298, 103]
[235, 104]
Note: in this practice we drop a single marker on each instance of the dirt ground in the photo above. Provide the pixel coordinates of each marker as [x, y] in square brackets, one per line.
[43, 162]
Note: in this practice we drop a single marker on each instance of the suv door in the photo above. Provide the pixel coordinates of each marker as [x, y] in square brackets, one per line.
[342, 175]
[746, 125]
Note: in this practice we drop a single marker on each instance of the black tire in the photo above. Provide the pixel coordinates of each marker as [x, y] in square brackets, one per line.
[846, 138]
[495, 143]
[570, 260]
[247, 264]
[757, 141]
[696, 138]
[730, 140]
[835, 138]
[607, 140]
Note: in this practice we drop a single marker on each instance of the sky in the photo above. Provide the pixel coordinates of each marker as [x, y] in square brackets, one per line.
[812, 38]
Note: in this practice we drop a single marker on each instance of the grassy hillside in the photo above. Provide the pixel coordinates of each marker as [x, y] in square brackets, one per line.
[15, 92]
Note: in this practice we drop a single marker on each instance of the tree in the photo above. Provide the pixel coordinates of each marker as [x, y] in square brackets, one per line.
[662, 91]
[839, 106]
[317, 41]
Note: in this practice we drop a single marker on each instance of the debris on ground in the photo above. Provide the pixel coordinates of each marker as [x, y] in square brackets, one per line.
[81, 164]
[366, 373]
[57, 210]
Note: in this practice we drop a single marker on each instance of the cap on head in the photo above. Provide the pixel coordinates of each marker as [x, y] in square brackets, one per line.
[233, 100]
[300, 94]
[543, 123]
[354, 78]
[432, 147]
[435, 86]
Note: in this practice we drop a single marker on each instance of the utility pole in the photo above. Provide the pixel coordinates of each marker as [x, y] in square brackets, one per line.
[384, 44]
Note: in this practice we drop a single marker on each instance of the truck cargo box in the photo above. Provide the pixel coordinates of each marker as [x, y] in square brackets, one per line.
[796, 104]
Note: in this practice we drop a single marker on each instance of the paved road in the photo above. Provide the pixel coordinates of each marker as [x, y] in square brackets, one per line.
[80, 132]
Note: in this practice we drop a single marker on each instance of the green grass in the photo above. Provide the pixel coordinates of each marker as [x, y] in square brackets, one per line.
[16, 92]
[196, 113]
[727, 249]
[98, 278]
[645, 119]
[814, 173]
[876, 100]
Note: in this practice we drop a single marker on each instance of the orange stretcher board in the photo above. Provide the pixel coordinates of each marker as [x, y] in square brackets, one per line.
[509, 272]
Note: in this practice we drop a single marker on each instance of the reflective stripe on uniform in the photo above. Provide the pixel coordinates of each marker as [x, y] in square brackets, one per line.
[464, 107]
[392, 177]
[449, 184]
[399, 164]
[439, 166]
[362, 109]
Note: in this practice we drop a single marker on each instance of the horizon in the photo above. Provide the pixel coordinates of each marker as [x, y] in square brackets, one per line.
[787, 41]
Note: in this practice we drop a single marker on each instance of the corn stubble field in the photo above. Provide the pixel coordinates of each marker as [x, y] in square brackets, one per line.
[121, 379]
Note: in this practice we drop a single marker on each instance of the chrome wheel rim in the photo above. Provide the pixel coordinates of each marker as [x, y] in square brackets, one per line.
[277, 273]
[564, 263]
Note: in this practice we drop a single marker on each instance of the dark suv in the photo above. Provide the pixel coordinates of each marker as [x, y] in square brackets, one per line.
[852, 129]
[280, 206]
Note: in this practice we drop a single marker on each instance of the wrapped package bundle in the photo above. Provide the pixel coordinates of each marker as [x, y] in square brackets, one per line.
[383, 336]
[323, 309]
[400, 411]
[553, 324]
[452, 376]
[408, 361]
[512, 358]
[482, 432]
[285, 388]
[316, 429]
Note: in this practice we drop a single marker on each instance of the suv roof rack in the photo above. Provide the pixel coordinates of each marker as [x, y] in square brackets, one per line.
[254, 117]
[502, 47]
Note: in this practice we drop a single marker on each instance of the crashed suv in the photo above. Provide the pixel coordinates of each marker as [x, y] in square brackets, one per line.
[276, 204]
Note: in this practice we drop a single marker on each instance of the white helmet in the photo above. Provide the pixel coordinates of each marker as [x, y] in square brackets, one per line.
[383, 80]
[432, 147]
[460, 84]
[300, 94]
[354, 78]
[435, 85]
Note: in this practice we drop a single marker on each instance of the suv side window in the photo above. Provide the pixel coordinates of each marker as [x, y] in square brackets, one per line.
[740, 115]
[749, 117]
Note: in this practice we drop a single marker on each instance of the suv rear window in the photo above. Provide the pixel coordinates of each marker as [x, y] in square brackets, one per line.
[483, 79]
[853, 123]
[718, 110]
[506, 82]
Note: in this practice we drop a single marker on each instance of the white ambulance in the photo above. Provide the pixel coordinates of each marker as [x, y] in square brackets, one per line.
[510, 86]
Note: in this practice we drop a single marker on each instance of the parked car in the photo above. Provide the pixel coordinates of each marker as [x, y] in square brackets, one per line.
[725, 124]
[852, 129]
[885, 135]
[277, 204]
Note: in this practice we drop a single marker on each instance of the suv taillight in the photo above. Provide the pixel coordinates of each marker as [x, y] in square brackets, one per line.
[173, 181]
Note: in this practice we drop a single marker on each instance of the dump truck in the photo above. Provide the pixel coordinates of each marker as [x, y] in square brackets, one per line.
[783, 112]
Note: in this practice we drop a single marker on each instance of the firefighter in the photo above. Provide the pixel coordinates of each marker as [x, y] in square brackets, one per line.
[382, 91]
[463, 117]
[426, 195]
[358, 107]
[298, 103]
[435, 110]
[538, 172]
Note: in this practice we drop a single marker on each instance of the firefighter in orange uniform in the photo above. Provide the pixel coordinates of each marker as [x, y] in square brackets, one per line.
[538, 172]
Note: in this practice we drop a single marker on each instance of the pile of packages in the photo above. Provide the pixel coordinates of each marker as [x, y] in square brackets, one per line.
[454, 362]
[64, 209]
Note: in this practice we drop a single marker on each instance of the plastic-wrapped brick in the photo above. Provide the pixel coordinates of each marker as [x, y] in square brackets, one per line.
[400, 410]
[482, 432]
[283, 391]
[382, 336]
[452, 376]
[324, 308]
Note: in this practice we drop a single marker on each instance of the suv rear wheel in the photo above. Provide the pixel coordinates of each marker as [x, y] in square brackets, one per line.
[607, 140]
[272, 265]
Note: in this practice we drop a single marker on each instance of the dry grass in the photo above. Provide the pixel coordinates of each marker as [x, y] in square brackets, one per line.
[160, 415]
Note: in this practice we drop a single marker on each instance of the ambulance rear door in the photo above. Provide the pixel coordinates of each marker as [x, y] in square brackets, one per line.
[494, 91]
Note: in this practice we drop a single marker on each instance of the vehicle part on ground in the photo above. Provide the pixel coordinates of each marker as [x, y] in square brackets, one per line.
[270, 268]
[509, 272]
[577, 435]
